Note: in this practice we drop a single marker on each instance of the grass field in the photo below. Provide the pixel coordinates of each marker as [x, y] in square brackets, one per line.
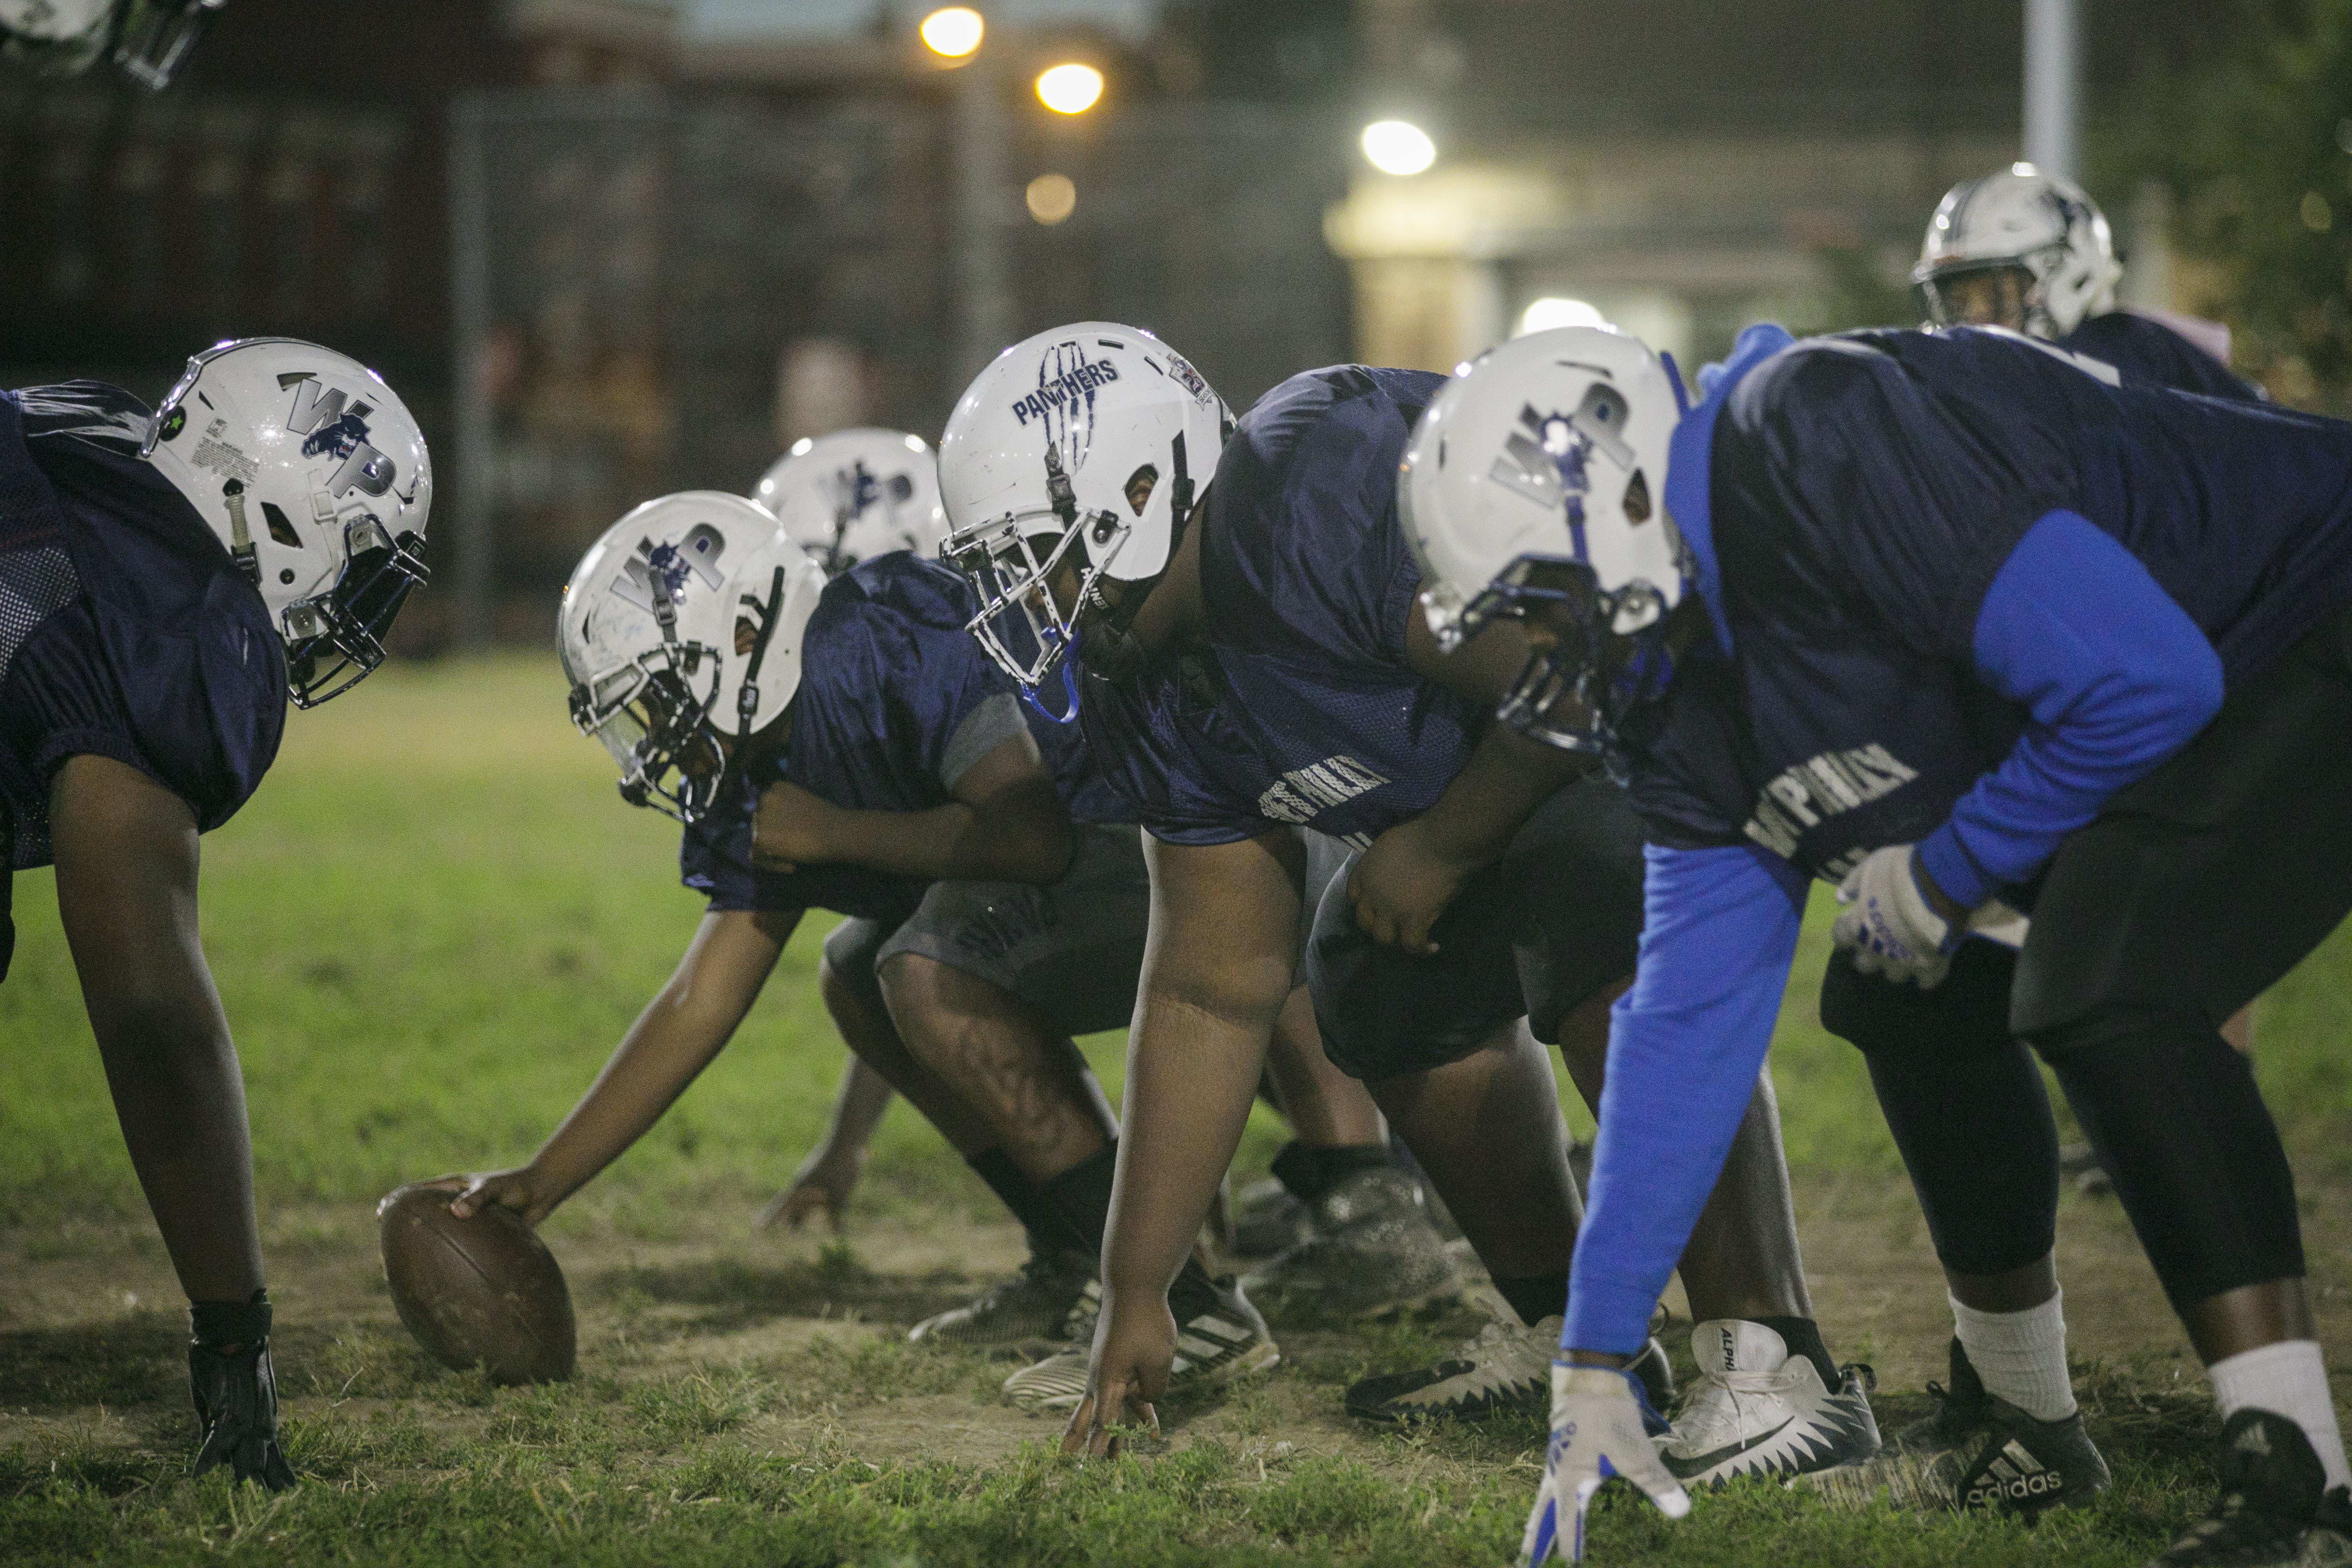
[430, 928]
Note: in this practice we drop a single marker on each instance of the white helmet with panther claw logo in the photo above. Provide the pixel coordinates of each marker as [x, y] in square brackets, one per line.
[1083, 447]
[681, 632]
[1538, 477]
[314, 475]
[2042, 231]
[856, 494]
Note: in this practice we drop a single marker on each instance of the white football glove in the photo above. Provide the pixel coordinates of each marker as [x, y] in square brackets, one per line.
[1887, 923]
[1596, 1432]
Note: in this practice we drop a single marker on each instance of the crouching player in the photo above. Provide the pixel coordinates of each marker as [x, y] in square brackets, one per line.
[1942, 618]
[166, 582]
[1255, 665]
[845, 746]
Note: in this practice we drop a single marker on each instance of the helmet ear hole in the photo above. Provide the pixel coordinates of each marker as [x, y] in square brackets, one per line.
[280, 528]
[1637, 500]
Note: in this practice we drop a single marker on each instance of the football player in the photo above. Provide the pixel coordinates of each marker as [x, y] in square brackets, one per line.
[168, 580]
[845, 746]
[1254, 665]
[149, 39]
[1950, 620]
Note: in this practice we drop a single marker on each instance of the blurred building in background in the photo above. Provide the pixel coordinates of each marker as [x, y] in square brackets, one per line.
[605, 250]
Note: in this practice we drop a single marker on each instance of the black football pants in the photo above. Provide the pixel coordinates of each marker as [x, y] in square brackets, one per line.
[2194, 890]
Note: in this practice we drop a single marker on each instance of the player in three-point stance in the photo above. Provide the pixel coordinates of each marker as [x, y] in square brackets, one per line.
[1950, 619]
[167, 579]
[1253, 664]
[845, 746]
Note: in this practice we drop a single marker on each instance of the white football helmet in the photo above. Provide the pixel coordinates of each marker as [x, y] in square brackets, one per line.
[2043, 232]
[1537, 475]
[1080, 449]
[856, 494]
[315, 477]
[681, 633]
[150, 39]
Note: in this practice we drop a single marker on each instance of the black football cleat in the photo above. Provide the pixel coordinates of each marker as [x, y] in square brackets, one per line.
[236, 1395]
[2275, 1510]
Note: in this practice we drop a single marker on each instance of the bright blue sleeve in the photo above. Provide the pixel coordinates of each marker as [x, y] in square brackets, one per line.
[2117, 679]
[1686, 1043]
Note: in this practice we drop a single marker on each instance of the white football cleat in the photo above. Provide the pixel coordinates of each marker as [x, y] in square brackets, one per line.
[1756, 1410]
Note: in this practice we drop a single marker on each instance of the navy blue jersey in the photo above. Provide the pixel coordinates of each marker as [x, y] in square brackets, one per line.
[2144, 347]
[1859, 495]
[1304, 710]
[176, 668]
[896, 700]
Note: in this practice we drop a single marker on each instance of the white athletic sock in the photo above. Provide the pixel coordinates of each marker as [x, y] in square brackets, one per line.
[2020, 1356]
[2287, 1379]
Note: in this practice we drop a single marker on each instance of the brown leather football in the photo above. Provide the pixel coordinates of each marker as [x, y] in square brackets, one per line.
[481, 1291]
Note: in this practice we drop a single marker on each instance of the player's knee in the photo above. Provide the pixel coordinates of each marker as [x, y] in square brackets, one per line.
[847, 995]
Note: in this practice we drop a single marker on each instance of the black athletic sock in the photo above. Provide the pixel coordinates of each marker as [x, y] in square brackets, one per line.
[1076, 1203]
[1803, 1337]
[1307, 1172]
[1020, 1195]
[1535, 1297]
[212, 1323]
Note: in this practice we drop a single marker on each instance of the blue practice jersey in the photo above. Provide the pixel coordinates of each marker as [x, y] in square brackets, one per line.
[1304, 710]
[896, 700]
[1859, 495]
[194, 674]
[2144, 348]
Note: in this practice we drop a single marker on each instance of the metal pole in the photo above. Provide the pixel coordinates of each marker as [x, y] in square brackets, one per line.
[981, 277]
[471, 526]
[2053, 87]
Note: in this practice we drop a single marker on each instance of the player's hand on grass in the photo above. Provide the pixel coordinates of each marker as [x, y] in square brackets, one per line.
[821, 1186]
[518, 1189]
[1402, 884]
[1596, 1432]
[1896, 921]
[793, 827]
[1134, 1345]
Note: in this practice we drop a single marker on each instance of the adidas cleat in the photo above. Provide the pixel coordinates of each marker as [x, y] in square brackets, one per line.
[2273, 1511]
[1213, 1348]
[1373, 1253]
[1977, 1451]
[1756, 1410]
[1507, 1368]
[1053, 1300]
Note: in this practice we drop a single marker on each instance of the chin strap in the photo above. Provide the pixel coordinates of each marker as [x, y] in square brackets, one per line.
[235, 1391]
[747, 699]
[240, 548]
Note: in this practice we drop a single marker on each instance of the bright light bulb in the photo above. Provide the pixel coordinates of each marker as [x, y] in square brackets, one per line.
[953, 32]
[1551, 312]
[1071, 89]
[1396, 147]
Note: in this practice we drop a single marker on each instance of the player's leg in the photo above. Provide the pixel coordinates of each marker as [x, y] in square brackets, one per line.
[1987, 1183]
[2195, 890]
[126, 855]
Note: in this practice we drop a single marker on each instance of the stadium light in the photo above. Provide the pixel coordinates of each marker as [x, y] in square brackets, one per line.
[1551, 312]
[1069, 89]
[953, 32]
[1051, 199]
[1398, 147]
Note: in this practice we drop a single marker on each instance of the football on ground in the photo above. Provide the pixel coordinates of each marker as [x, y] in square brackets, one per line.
[482, 1292]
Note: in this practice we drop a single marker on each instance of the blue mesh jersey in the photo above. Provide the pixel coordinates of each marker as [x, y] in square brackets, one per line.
[1304, 710]
[896, 699]
[1851, 499]
[2146, 348]
[175, 667]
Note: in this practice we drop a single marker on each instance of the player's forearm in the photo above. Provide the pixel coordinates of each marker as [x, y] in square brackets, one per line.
[857, 1108]
[1507, 778]
[1685, 1044]
[1192, 1075]
[1022, 840]
[682, 1028]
